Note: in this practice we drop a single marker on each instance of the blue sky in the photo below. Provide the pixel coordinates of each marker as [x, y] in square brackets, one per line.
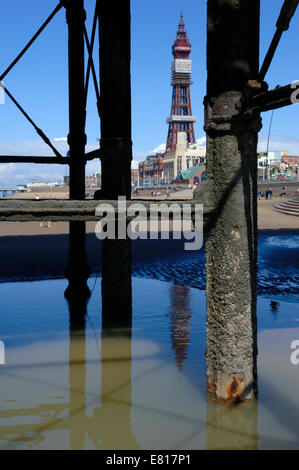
[39, 81]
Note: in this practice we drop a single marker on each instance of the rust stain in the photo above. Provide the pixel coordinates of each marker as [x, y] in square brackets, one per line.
[234, 390]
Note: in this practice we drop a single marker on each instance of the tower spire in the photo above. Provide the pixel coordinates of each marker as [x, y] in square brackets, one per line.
[181, 119]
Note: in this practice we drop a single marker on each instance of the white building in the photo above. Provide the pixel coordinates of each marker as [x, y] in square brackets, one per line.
[184, 157]
[44, 184]
[270, 158]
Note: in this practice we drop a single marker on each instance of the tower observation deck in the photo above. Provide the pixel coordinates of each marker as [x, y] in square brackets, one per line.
[180, 119]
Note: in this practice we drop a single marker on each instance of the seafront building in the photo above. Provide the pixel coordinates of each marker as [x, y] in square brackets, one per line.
[151, 170]
[93, 181]
[194, 176]
[275, 166]
[184, 157]
[43, 184]
[270, 158]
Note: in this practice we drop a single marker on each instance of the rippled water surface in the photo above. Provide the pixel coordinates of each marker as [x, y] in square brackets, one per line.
[69, 388]
[278, 263]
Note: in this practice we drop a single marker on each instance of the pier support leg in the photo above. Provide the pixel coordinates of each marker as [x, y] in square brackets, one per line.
[77, 273]
[116, 284]
[116, 154]
[115, 102]
[75, 15]
[231, 245]
[77, 295]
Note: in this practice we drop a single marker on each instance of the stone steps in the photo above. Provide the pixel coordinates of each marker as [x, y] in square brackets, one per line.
[288, 207]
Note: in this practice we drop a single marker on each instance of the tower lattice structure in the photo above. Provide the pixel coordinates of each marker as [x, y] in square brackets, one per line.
[181, 119]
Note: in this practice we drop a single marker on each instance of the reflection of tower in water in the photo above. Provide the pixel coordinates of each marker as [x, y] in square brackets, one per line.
[180, 315]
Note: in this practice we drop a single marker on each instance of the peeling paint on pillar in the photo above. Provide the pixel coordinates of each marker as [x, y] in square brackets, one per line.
[231, 246]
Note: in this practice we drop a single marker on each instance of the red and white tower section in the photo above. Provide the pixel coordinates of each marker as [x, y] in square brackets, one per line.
[181, 119]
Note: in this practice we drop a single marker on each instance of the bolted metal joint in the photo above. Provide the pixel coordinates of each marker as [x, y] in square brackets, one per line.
[77, 139]
[252, 88]
[73, 9]
[225, 113]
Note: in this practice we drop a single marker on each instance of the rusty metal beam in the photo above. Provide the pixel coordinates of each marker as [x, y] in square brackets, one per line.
[64, 209]
[273, 99]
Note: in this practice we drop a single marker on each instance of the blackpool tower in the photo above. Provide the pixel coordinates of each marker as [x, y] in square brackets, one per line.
[181, 119]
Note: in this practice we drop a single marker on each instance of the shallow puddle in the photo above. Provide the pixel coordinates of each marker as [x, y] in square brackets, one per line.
[64, 388]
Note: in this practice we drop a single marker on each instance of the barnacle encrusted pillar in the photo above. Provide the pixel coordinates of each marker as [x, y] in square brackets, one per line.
[231, 243]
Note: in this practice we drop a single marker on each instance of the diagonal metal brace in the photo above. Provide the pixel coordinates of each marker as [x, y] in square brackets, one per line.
[16, 60]
[39, 131]
[283, 23]
[91, 65]
[90, 58]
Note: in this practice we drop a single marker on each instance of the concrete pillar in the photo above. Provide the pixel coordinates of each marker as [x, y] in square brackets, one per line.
[231, 244]
[115, 102]
[75, 16]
